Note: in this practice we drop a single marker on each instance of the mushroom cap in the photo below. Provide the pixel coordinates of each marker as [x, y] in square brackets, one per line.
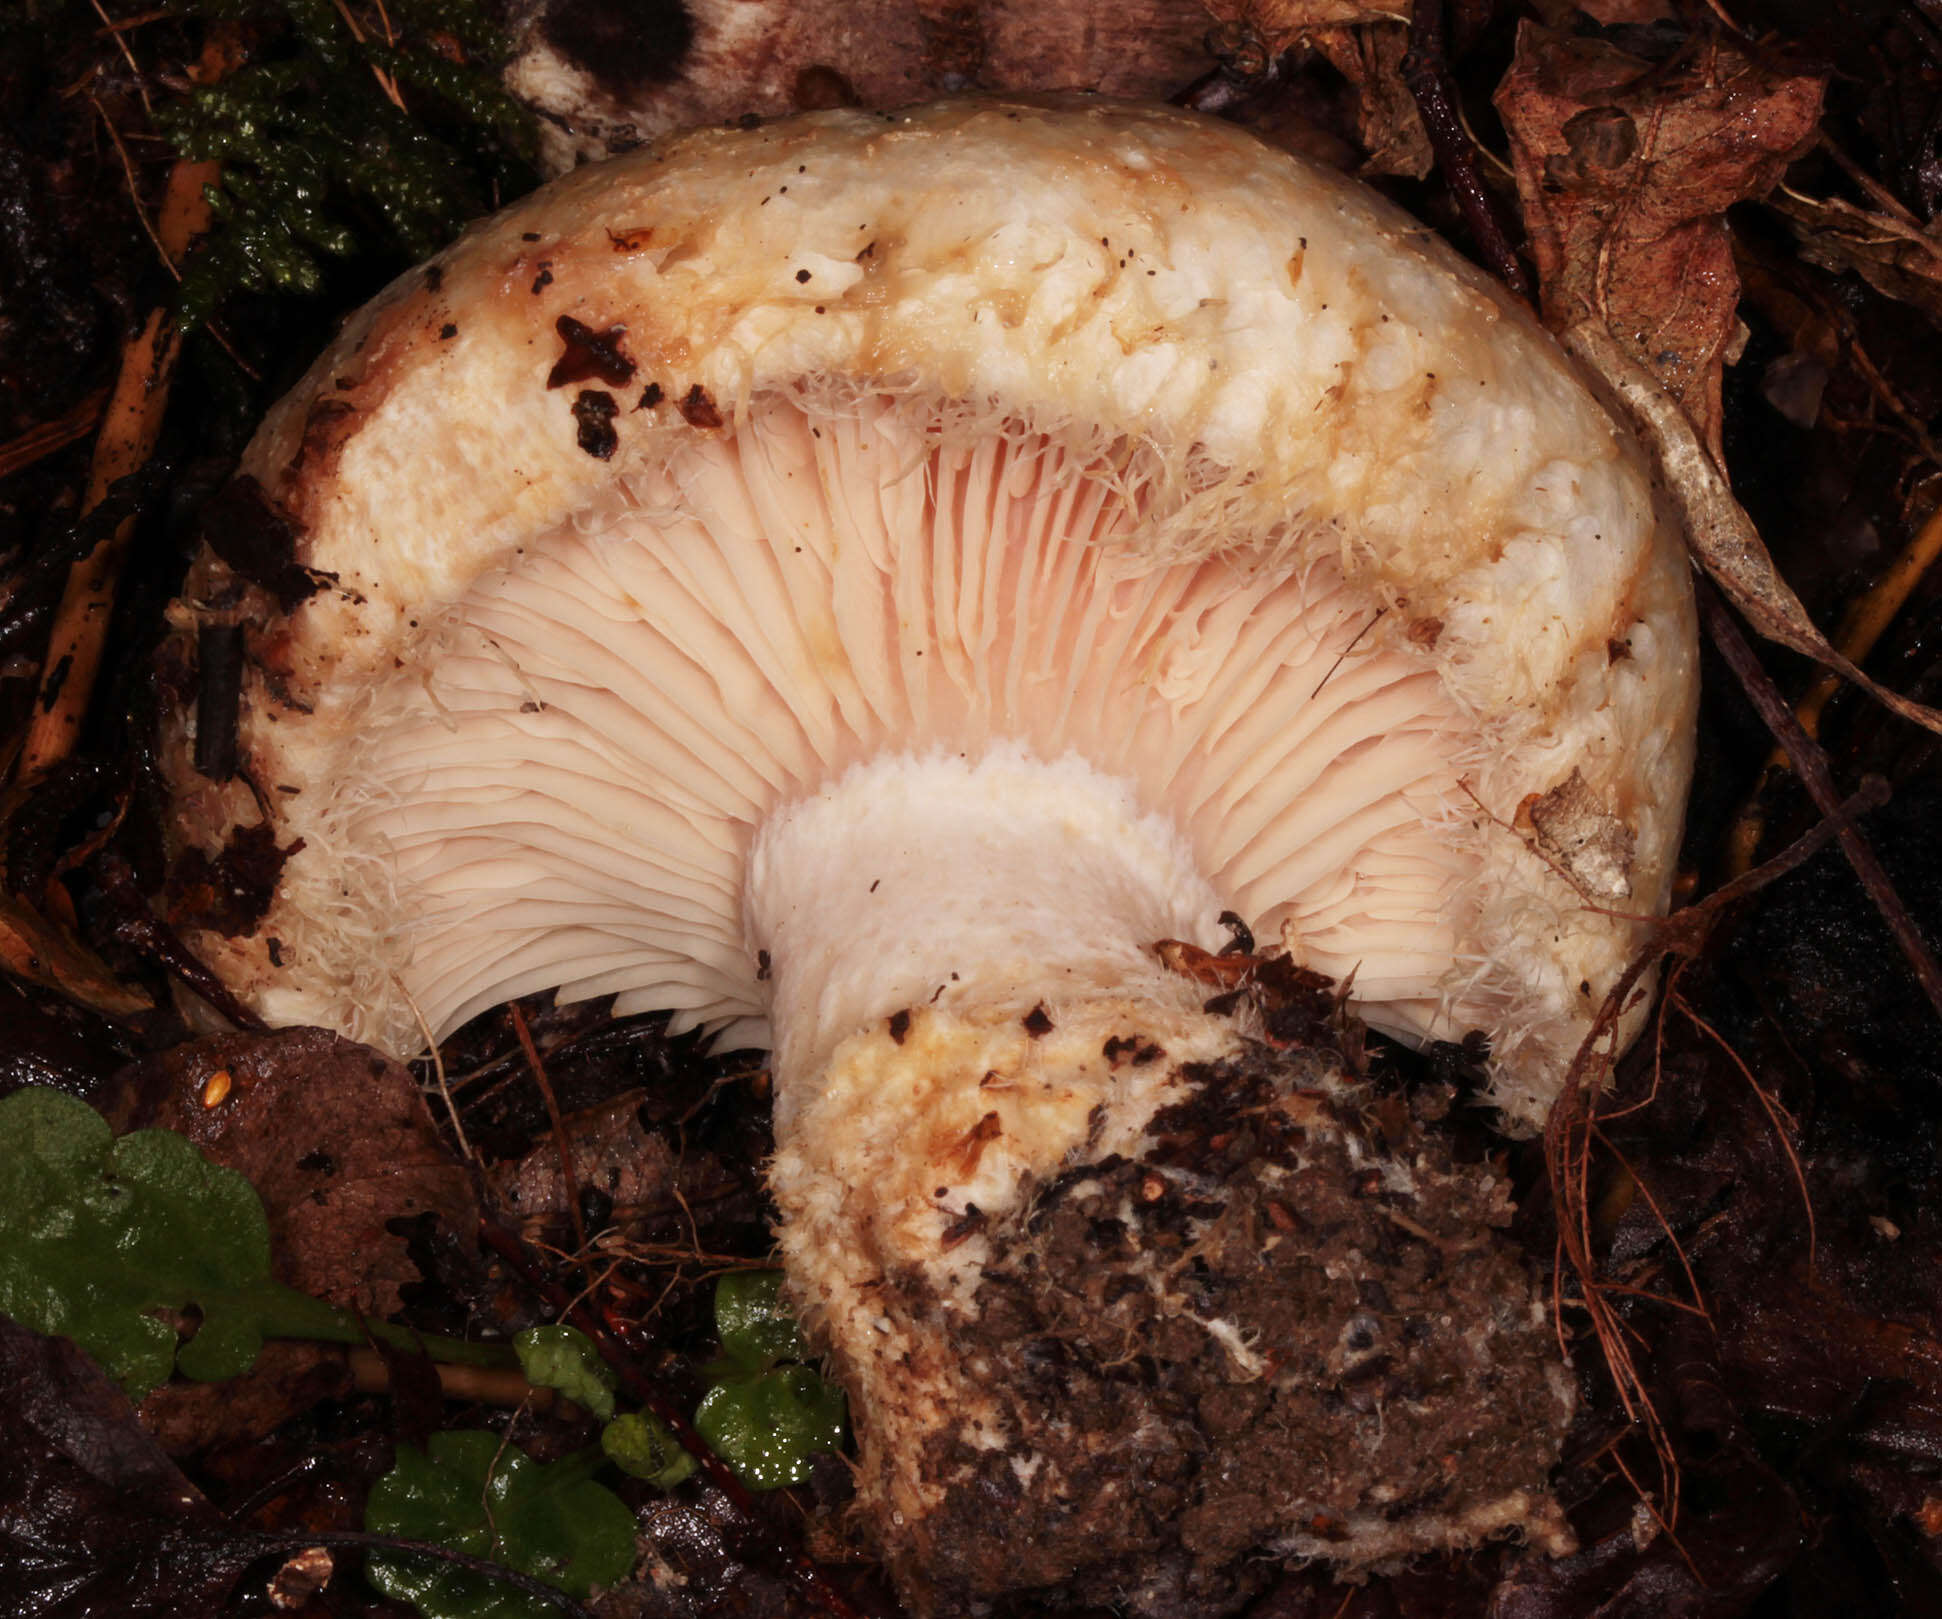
[1199, 381]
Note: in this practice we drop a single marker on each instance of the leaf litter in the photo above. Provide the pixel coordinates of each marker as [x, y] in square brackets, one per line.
[1731, 211]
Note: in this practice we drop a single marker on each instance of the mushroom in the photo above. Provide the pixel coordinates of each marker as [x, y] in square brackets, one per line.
[860, 584]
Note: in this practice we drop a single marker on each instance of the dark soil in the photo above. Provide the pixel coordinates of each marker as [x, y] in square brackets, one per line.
[1296, 1327]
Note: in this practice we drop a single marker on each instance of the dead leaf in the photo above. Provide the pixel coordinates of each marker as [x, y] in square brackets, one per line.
[1718, 530]
[1898, 259]
[1624, 172]
[612, 1153]
[773, 57]
[1386, 121]
[334, 1137]
[1203, 966]
[94, 1519]
[1278, 24]
[1613, 13]
[1581, 838]
[1625, 169]
[35, 950]
[287, 1380]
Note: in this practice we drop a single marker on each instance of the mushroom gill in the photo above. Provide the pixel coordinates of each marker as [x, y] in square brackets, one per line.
[860, 584]
[743, 625]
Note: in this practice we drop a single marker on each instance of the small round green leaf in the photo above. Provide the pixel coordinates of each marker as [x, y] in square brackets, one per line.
[640, 1444]
[767, 1426]
[472, 1492]
[564, 1358]
[755, 1330]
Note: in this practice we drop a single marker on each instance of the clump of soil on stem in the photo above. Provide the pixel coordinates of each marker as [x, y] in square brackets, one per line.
[1293, 1328]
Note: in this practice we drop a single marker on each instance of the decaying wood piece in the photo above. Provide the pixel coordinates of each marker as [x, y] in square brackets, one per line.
[129, 429]
[603, 83]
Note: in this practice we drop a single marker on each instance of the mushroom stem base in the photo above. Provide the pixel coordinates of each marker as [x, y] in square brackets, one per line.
[1117, 1277]
[1256, 1313]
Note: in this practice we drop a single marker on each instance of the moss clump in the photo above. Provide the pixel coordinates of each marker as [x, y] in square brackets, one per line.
[340, 132]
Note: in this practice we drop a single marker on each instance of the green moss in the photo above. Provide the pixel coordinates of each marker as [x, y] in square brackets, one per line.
[319, 160]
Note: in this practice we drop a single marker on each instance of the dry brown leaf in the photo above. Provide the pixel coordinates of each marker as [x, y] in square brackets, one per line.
[611, 1151]
[1279, 23]
[599, 85]
[1718, 530]
[1571, 828]
[289, 1377]
[1897, 259]
[334, 1137]
[1625, 170]
[1614, 12]
[33, 949]
[1386, 120]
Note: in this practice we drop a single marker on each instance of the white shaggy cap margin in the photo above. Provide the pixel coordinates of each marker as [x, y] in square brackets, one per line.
[1077, 427]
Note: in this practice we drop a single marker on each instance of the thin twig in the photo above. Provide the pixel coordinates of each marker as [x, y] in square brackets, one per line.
[1880, 229]
[386, 82]
[480, 1385]
[134, 189]
[1868, 183]
[1698, 1302]
[527, 1583]
[569, 1181]
[141, 79]
[1426, 71]
[1777, 1116]
[127, 25]
[438, 1068]
[1810, 764]
[138, 927]
[1574, 1124]
[1912, 424]
[1863, 624]
[1354, 641]
[44, 438]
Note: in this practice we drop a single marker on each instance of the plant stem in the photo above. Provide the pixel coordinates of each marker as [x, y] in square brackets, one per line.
[286, 1313]
[1810, 764]
[1426, 71]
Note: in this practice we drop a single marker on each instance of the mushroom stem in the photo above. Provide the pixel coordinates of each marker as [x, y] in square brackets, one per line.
[966, 1002]
[984, 888]
[1066, 1227]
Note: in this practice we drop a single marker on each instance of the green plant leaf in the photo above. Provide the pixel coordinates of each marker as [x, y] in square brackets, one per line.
[472, 1492]
[108, 1242]
[112, 1242]
[564, 1358]
[768, 1425]
[755, 1330]
[641, 1444]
